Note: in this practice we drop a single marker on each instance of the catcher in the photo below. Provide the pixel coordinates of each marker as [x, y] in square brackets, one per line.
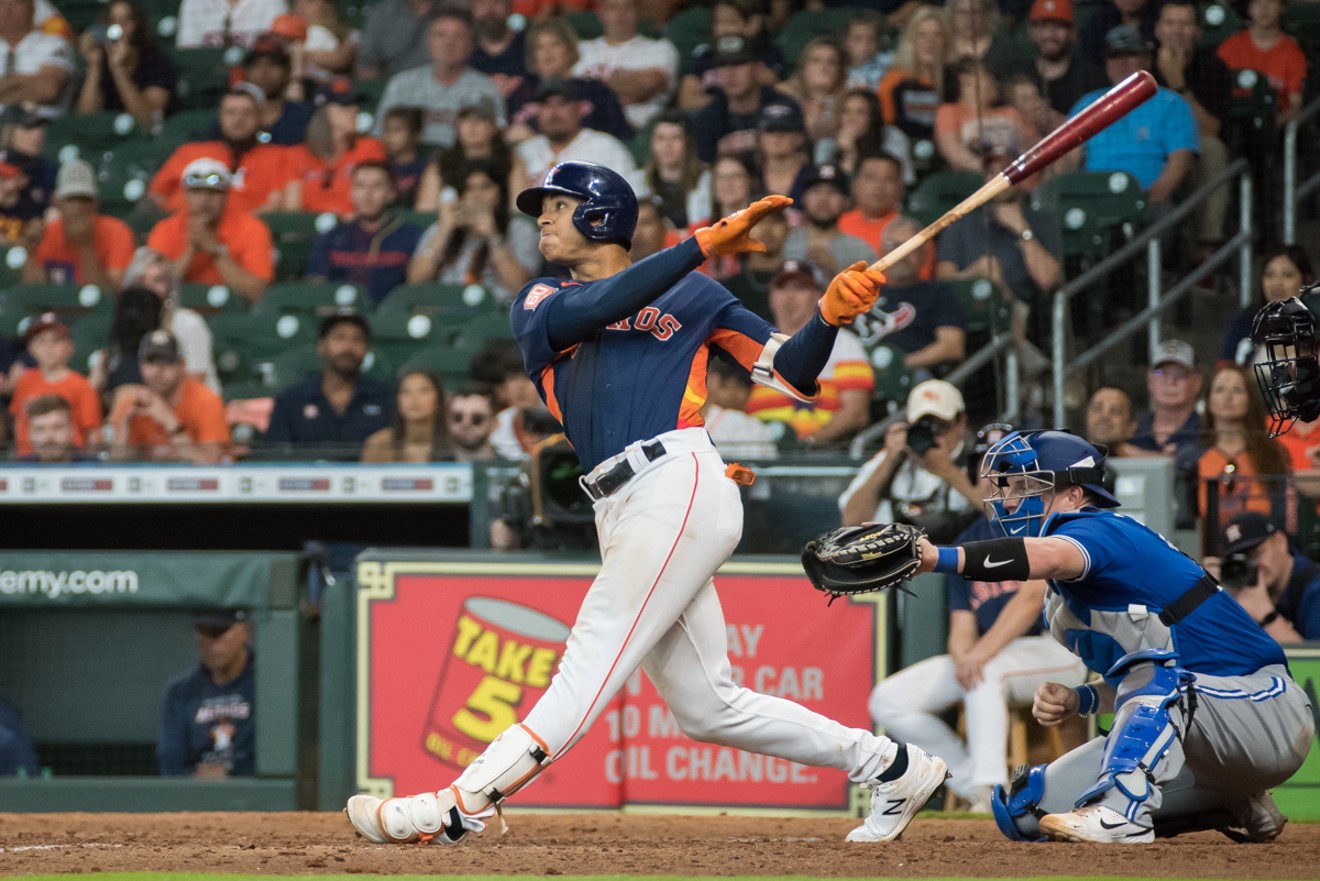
[1289, 376]
[1206, 715]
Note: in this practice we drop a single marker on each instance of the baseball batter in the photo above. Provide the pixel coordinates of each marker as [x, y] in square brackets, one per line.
[1206, 715]
[618, 352]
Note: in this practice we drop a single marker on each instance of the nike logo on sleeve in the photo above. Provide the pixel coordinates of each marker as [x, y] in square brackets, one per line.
[996, 564]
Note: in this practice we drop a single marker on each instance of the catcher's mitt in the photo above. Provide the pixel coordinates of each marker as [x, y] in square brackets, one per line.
[862, 559]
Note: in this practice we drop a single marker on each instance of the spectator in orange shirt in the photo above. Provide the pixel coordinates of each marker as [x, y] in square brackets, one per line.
[213, 242]
[80, 246]
[322, 168]
[171, 416]
[259, 171]
[1262, 46]
[49, 344]
[877, 193]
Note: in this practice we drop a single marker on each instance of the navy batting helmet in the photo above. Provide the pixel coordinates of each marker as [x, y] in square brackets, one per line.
[1027, 464]
[1289, 374]
[608, 212]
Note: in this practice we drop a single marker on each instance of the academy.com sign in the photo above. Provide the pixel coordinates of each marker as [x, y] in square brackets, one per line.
[54, 584]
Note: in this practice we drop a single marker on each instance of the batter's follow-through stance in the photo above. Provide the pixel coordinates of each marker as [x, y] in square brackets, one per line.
[619, 354]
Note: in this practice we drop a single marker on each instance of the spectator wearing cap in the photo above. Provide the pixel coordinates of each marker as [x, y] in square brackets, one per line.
[674, 173]
[153, 271]
[445, 85]
[1262, 46]
[913, 88]
[333, 412]
[321, 43]
[563, 139]
[477, 139]
[170, 417]
[731, 120]
[1138, 15]
[257, 172]
[80, 245]
[208, 723]
[781, 157]
[977, 121]
[50, 346]
[825, 197]
[1157, 142]
[1063, 75]
[643, 72]
[322, 168]
[129, 73]
[212, 23]
[38, 66]
[1284, 597]
[729, 18]
[842, 407]
[394, 37]
[371, 248]
[501, 52]
[268, 65]
[817, 85]
[921, 318]
[1171, 426]
[212, 241]
[51, 433]
[552, 50]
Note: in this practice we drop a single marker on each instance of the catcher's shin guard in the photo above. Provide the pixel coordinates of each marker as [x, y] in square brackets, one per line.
[507, 765]
[1017, 811]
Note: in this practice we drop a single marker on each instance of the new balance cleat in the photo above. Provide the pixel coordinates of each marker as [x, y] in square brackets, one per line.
[894, 803]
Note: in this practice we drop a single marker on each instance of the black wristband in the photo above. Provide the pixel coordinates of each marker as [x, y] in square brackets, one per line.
[1269, 619]
[1000, 559]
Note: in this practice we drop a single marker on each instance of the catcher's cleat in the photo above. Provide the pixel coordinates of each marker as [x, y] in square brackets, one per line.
[1095, 823]
[431, 816]
[1258, 817]
[895, 802]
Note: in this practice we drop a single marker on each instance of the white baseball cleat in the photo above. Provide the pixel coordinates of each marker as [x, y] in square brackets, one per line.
[1095, 823]
[896, 802]
[431, 816]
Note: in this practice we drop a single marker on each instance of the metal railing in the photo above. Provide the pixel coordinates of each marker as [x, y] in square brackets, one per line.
[1158, 300]
[1293, 190]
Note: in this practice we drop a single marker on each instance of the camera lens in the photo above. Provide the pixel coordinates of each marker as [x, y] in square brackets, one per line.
[114, 32]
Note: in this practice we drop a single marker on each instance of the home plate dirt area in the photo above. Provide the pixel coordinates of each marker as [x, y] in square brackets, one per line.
[608, 843]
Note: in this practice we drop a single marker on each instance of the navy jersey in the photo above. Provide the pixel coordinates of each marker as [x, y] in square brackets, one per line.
[984, 599]
[204, 722]
[1132, 573]
[638, 377]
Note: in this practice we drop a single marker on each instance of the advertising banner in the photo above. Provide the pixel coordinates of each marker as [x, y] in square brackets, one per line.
[1299, 798]
[449, 655]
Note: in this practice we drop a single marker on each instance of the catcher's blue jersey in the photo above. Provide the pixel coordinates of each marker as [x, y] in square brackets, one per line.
[1131, 574]
[638, 377]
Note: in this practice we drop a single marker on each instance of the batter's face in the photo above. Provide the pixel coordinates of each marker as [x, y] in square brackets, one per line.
[561, 241]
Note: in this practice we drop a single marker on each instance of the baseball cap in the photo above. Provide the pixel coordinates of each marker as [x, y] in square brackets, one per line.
[45, 321]
[1174, 352]
[8, 170]
[225, 618]
[251, 90]
[23, 115]
[207, 173]
[75, 178]
[337, 91]
[159, 345]
[1052, 10]
[934, 397]
[1125, 40]
[781, 118]
[269, 45]
[799, 271]
[558, 87]
[1246, 531]
[829, 174]
[289, 26]
[732, 49]
[342, 316]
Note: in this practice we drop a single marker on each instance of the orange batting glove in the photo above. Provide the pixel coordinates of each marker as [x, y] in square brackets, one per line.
[851, 293]
[732, 235]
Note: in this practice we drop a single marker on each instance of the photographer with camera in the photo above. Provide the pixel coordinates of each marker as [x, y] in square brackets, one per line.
[126, 70]
[920, 477]
[1278, 586]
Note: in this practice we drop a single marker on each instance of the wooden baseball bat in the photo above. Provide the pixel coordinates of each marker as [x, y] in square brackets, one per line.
[1100, 113]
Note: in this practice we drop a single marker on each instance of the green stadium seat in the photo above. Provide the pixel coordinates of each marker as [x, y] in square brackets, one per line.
[90, 332]
[204, 75]
[293, 233]
[482, 328]
[892, 378]
[123, 176]
[986, 307]
[432, 298]
[1219, 21]
[270, 333]
[311, 298]
[806, 25]
[585, 24]
[81, 13]
[688, 30]
[1092, 206]
[210, 299]
[71, 300]
[188, 125]
[88, 135]
[1252, 111]
[451, 362]
[1302, 21]
[282, 369]
[940, 191]
[12, 260]
[402, 334]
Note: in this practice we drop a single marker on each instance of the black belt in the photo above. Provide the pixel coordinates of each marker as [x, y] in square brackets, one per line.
[1190, 601]
[611, 481]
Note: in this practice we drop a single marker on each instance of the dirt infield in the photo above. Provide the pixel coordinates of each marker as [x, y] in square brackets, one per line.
[574, 844]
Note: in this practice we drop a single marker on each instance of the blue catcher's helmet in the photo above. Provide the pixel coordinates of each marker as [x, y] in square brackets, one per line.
[609, 210]
[1026, 464]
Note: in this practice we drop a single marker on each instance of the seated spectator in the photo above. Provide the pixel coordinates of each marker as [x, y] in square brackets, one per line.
[521, 414]
[80, 245]
[923, 318]
[754, 271]
[1283, 272]
[1136, 15]
[877, 197]
[23, 145]
[817, 85]
[867, 62]
[735, 433]
[643, 72]
[729, 18]
[208, 726]
[269, 66]
[1023, 94]
[825, 197]
[206, 23]
[420, 432]
[333, 412]
[477, 139]
[212, 241]
[394, 37]
[170, 417]
[401, 132]
[138, 312]
[476, 239]
[921, 474]
[733, 187]
[730, 120]
[781, 152]
[563, 139]
[843, 405]
[257, 172]
[1062, 73]
[50, 433]
[152, 270]
[913, 88]
[471, 425]
[20, 215]
[674, 173]
[330, 46]
[976, 122]
[50, 346]
[444, 85]
[372, 249]
[322, 168]
[653, 232]
[1171, 426]
[863, 134]
[1110, 422]
[552, 50]
[974, 33]
[501, 52]
[1284, 597]
[38, 66]
[17, 757]
[126, 70]
[1262, 46]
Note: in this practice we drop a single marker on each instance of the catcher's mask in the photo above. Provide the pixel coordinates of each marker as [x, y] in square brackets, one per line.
[1289, 377]
[1026, 465]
